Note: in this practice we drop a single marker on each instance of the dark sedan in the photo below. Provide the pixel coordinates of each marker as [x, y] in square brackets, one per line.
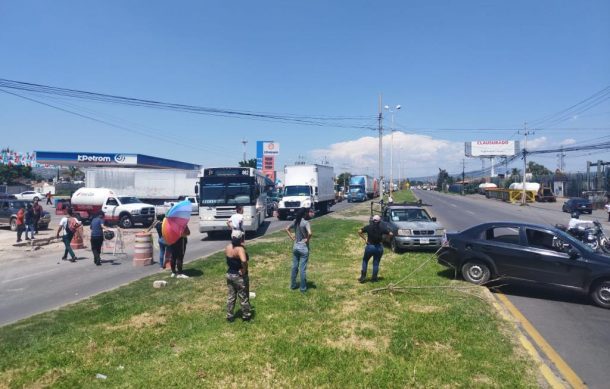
[577, 204]
[527, 252]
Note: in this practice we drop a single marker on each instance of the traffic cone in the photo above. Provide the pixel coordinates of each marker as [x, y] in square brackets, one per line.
[77, 240]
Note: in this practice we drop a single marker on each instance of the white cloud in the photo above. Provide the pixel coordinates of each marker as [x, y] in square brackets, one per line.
[536, 143]
[420, 155]
[567, 142]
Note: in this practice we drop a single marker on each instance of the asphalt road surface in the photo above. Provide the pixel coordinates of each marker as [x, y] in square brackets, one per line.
[39, 281]
[576, 329]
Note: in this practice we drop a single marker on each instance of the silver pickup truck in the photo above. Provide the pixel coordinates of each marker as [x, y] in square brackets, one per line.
[412, 226]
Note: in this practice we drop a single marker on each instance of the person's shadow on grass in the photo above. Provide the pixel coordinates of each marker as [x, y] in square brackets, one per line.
[193, 272]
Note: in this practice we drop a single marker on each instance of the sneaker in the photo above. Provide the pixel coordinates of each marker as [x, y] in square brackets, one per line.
[73, 260]
[182, 276]
[247, 318]
[374, 279]
[173, 275]
[231, 319]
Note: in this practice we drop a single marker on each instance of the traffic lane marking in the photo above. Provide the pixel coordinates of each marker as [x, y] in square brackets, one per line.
[30, 275]
[566, 371]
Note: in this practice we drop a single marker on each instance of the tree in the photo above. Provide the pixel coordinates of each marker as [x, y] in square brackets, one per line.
[74, 172]
[515, 173]
[343, 179]
[537, 170]
[11, 174]
[443, 179]
[249, 163]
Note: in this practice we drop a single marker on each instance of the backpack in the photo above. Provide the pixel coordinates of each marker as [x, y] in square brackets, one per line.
[73, 225]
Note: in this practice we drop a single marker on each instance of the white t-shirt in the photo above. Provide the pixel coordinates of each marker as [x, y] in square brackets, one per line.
[237, 221]
[575, 223]
[64, 225]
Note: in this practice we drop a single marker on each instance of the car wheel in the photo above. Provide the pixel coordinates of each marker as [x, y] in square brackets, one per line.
[600, 294]
[125, 221]
[476, 272]
[394, 246]
[13, 224]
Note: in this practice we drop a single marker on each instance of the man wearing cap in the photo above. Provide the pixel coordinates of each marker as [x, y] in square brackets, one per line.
[373, 247]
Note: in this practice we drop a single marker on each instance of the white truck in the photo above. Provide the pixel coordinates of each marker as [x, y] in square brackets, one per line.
[126, 211]
[162, 209]
[154, 186]
[307, 186]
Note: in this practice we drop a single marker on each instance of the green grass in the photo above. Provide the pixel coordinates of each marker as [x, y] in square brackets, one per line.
[338, 334]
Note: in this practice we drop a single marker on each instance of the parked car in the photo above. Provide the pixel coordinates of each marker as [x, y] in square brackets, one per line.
[412, 226]
[8, 214]
[577, 204]
[192, 199]
[527, 252]
[30, 195]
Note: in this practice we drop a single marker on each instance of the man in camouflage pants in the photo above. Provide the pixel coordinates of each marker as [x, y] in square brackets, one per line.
[238, 283]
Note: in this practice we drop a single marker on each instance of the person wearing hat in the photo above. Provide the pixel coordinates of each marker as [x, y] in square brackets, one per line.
[373, 247]
[238, 281]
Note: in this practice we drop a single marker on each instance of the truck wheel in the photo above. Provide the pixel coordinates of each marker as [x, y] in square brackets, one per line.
[13, 224]
[394, 246]
[125, 221]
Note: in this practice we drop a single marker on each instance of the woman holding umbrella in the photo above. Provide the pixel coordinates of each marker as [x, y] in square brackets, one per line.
[175, 231]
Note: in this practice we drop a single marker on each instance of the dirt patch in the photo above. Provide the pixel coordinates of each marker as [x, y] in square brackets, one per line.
[426, 308]
[47, 379]
[141, 321]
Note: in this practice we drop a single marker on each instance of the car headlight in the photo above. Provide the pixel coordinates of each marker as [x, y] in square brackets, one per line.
[404, 232]
[440, 231]
[135, 211]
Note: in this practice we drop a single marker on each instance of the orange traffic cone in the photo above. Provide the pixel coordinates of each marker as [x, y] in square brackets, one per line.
[77, 240]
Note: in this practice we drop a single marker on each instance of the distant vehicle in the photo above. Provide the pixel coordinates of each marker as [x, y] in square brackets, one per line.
[362, 188]
[307, 186]
[126, 211]
[577, 204]
[30, 195]
[8, 214]
[412, 227]
[222, 189]
[545, 194]
[168, 204]
[527, 252]
[6, 196]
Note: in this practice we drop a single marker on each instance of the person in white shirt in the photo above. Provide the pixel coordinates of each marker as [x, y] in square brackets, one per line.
[575, 222]
[236, 221]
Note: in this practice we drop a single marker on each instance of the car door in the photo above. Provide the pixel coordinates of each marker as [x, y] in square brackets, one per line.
[551, 263]
[110, 209]
[502, 246]
[5, 212]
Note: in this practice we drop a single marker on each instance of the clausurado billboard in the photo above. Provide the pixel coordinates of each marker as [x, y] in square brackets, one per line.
[491, 148]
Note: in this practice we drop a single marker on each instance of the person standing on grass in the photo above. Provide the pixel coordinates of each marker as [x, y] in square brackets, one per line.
[29, 222]
[37, 208]
[373, 247]
[300, 249]
[97, 237]
[20, 221]
[162, 245]
[178, 249]
[67, 225]
[236, 221]
[238, 282]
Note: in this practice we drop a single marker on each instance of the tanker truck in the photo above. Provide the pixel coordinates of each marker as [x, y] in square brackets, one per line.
[124, 211]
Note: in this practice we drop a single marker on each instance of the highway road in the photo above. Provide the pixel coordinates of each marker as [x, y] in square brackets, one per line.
[39, 281]
[576, 329]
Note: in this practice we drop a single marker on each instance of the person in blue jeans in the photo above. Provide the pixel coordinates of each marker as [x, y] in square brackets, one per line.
[29, 222]
[373, 247]
[300, 249]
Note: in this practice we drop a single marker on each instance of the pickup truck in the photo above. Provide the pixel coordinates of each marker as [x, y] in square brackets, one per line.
[162, 209]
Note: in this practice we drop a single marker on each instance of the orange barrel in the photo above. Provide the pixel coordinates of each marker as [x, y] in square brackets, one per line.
[143, 253]
[77, 240]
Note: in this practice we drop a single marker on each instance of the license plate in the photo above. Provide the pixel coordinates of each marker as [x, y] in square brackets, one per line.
[424, 241]
[149, 218]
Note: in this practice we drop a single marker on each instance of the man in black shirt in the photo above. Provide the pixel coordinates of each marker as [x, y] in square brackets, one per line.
[373, 247]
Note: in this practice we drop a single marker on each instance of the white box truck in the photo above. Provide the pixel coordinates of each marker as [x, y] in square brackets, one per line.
[307, 186]
[126, 211]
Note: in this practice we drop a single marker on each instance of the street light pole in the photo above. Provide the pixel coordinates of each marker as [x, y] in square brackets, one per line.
[392, 147]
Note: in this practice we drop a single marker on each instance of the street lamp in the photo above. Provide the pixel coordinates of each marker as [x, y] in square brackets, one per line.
[392, 110]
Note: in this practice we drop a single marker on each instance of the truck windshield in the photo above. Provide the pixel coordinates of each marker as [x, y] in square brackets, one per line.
[297, 190]
[227, 191]
[356, 189]
[129, 200]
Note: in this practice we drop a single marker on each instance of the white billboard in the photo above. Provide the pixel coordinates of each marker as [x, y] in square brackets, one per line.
[491, 148]
[271, 148]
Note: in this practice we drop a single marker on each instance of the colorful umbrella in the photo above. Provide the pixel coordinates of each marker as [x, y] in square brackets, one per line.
[175, 221]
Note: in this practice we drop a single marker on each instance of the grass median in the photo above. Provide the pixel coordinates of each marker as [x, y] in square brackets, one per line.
[338, 334]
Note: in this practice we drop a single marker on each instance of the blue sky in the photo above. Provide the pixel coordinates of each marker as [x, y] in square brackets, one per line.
[467, 66]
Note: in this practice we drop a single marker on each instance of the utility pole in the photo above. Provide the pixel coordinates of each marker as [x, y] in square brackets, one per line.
[560, 162]
[526, 132]
[244, 142]
[463, 175]
[380, 145]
